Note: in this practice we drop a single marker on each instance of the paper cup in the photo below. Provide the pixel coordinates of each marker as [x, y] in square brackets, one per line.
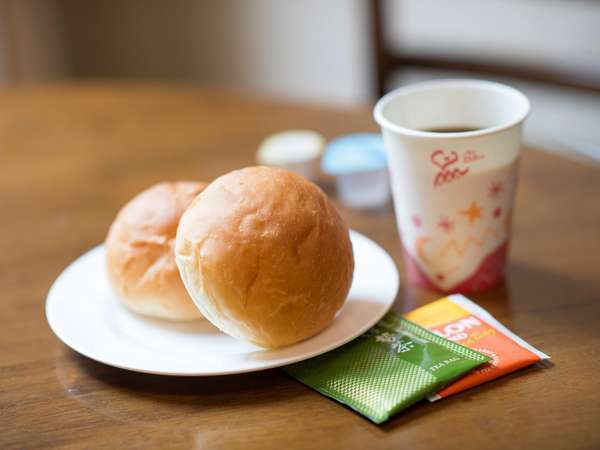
[453, 191]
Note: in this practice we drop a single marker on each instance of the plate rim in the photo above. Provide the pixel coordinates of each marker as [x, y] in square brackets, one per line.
[275, 364]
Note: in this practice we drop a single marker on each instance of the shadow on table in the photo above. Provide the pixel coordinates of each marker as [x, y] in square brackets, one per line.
[128, 396]
[425, 410]
[525, 289]
[163, 384]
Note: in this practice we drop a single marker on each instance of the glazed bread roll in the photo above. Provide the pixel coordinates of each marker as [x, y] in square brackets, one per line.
[265, 256]
[140, 259]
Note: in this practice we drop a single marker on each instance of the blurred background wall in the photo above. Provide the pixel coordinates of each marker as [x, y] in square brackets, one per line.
[314, 50]
[307, 50]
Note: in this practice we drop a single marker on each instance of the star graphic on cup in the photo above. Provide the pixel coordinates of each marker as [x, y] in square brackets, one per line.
[473, 212]
[495, 189]
[416, 220]
[445, 224]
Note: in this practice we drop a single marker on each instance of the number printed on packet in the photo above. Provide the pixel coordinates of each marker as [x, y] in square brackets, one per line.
[460, 320]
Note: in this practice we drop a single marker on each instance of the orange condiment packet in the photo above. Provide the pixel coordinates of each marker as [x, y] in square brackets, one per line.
[459, 319]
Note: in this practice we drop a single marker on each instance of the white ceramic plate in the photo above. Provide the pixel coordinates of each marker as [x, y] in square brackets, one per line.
[84, 313]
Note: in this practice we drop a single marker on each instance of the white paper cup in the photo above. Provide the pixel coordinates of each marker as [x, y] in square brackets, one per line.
[453, 192]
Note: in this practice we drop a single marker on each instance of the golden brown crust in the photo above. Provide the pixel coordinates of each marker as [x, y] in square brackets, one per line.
[140, 257]
[265, 256]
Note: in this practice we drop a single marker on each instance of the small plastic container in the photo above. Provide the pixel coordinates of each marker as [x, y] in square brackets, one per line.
[296, 150]
[359, 165]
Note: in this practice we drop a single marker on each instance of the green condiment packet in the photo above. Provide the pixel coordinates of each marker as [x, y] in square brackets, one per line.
[390, 367]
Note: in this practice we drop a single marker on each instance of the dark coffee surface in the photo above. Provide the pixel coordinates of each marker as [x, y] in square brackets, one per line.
[458, 129]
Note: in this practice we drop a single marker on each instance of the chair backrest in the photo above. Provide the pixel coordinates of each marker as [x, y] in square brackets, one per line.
[389, 60]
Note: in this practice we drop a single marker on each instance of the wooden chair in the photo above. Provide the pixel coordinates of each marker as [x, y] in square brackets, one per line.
[389, 61]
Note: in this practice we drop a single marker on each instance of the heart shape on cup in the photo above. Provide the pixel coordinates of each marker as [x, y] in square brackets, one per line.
[443, 159]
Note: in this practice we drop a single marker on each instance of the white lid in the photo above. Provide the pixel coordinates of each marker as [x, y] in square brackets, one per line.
[291, 146]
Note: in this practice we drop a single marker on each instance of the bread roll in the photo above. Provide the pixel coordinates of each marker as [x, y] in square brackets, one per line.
[265, 256]
[139, 252]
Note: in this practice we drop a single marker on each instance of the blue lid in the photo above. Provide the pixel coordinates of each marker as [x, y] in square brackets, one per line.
[352, 153]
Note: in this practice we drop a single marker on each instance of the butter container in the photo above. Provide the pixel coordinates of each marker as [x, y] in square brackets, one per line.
[358, 164]
[298, 151]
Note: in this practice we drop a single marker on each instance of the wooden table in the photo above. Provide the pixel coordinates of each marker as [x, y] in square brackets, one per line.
[70, 156]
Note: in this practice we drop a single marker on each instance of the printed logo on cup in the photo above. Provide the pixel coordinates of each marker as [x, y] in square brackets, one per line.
[450, 167]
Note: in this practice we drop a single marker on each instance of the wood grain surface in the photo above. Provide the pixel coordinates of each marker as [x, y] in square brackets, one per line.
[71, 155]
